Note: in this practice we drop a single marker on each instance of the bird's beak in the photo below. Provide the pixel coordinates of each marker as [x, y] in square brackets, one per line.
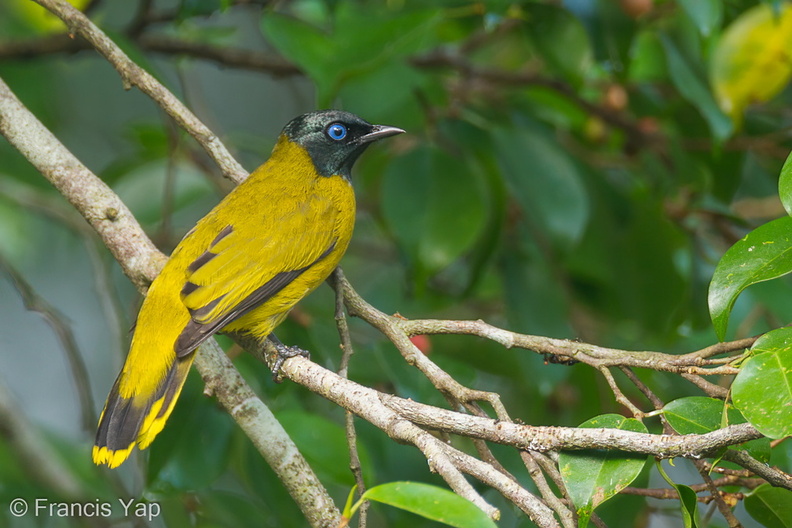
[379, 132]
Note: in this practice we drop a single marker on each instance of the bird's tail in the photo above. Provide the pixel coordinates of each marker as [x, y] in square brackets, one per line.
[137, 420]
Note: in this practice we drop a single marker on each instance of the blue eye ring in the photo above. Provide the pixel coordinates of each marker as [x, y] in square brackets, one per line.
[336, 131]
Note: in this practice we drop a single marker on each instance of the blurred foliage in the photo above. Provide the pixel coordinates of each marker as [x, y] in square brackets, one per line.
[573, 169]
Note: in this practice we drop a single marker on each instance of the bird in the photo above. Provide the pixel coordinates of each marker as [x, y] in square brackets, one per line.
[270, 242]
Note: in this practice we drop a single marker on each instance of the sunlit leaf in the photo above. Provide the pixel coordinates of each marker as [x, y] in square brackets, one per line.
[40, 18]
[431, 502]
[700, 415]
[762, 389]
[763, 254]
[752, 61]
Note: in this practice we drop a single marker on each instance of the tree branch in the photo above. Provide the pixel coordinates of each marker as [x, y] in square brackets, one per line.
[592, 355]
[226, 57]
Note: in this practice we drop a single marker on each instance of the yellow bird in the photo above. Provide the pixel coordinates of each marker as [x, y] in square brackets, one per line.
[242, 268]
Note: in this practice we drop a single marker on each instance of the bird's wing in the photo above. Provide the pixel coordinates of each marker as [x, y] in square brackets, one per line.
[244, 267]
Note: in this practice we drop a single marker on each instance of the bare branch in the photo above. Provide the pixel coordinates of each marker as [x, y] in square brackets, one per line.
[593, 355]
[672, 494]
[715, 493]
[617, 392]
[351, 433]
[540, 438]
[773, 475]
[226, 57]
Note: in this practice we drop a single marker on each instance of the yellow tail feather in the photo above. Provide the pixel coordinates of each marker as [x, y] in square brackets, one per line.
[137, 420]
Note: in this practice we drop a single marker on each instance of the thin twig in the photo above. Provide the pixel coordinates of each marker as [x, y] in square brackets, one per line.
[656, 402]
[351, 433]
[548, 438]
[715, 493]
[593, 355]
[620, 397]
[61, 329]
[672, 494]
[711, 389]
[567, 515]
[771, 474]
[226, 57]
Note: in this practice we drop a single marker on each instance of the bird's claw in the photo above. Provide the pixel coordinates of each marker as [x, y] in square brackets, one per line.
[283, 353]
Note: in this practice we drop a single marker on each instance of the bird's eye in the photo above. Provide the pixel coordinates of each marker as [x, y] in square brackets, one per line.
[337, 131]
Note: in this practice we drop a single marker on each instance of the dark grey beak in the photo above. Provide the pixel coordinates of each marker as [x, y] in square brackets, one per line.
[378, 132]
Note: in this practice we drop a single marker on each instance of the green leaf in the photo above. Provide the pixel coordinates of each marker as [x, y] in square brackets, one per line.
[306, 45]
[594, 476]
[547, 26]
[363, 38]
[785, 185]
[545, 181]
[695, 90]
[694, 414]
[432, 203]
[751, 63]
[763, 254]
[646, 58]
[770, 506]
[762, 390]
[431, 502]
[688, 502]
[700, 415]
[706, 14]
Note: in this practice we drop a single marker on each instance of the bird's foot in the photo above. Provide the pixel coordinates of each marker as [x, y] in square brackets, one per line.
[284, 352]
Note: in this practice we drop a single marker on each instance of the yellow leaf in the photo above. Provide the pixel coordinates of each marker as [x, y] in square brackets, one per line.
[41, 20]
[753, 60]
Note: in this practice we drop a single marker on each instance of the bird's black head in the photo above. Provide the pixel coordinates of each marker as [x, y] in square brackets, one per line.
[334, 139]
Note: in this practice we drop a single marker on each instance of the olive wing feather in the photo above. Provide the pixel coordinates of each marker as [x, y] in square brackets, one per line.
[241, 270]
